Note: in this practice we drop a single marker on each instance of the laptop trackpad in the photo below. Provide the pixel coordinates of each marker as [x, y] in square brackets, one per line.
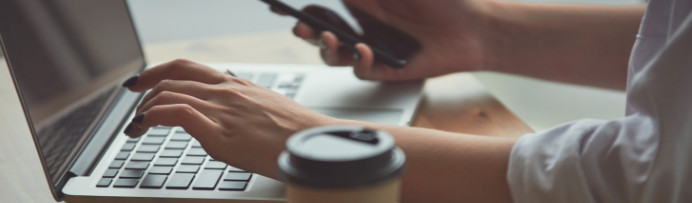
[382, 116]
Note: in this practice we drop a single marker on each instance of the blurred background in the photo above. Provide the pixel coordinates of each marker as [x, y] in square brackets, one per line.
[219, 30]
[159, 21]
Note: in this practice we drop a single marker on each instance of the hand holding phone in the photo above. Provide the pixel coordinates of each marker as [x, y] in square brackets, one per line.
[394, 49]
[434, 37]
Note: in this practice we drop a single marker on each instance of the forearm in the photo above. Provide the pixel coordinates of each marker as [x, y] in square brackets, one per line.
[587, 45]
[451, 167]
[441, 166]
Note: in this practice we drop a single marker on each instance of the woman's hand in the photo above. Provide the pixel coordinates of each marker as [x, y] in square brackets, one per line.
[450, 33]
[235, 120]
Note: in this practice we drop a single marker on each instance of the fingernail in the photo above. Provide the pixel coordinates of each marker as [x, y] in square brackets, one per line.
[322, 44]
[295, 32]
[138, 119]
[131, 82]
[127, 129]
[356, 55]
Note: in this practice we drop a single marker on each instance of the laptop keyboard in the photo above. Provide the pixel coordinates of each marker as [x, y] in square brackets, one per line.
[168, 157]
[285, 84]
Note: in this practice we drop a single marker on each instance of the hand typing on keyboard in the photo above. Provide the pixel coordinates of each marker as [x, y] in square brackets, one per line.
[235, 121]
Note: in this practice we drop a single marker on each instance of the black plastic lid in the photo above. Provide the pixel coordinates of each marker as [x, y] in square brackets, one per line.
[340, 157]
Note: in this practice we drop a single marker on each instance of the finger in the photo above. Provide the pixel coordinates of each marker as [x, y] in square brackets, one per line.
[192, 88]
[277, 11]
[195, 123]
[305, 32]
[363, 67]
[179, 69]
[333, 51]
[165, 98]
[308, 33]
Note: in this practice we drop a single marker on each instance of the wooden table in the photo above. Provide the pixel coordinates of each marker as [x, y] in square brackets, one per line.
[455, 102]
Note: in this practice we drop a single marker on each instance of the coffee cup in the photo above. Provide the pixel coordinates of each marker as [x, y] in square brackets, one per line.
[340, 164]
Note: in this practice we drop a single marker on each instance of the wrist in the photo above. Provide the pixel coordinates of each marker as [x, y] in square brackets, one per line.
[501, 31]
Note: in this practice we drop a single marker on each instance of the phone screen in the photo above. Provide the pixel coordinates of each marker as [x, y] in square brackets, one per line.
[360, 24]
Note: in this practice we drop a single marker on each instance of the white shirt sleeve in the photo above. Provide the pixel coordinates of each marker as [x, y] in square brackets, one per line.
[644, 157]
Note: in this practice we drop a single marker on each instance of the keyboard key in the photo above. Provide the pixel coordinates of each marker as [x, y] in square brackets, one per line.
[207, 180]
[234, 169]
[196, 160]
[122, 155]
[142, 157]
[166, 162]
[266, 79]
[196, 152]
[187, 169]
[237, 176]
[131, 173]
[215, 165]
[154, 140]
[171, 153]
[159, 132]
[180, 181]
[116, 164]
[232, 185]
[181, 137]
[153, 181]
[288, 85]
[148, 148]
[196, 144]
[125, 183]
[104, 182]
[176, 145]
[160, 170]
[128, 147]
[137, 165]
[134, 140]
[110, 173]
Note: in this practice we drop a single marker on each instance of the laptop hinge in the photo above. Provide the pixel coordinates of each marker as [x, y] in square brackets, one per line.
[104, 134]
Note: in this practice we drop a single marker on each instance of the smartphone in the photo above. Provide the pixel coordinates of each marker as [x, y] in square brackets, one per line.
[351, 25]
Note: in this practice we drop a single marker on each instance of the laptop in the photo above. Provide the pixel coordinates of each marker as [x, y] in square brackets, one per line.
[68, 58]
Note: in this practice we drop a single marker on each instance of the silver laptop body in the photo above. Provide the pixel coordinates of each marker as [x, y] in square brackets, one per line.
[68, 58]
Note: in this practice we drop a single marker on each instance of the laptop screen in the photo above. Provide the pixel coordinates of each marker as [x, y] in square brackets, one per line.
[67, 58]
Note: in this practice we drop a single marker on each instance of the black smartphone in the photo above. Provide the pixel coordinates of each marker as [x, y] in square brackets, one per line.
[352, 25]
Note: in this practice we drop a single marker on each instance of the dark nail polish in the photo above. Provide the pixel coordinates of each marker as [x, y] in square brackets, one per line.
[295, 32]
[138, 119]
[128, 128]
[131, 82]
